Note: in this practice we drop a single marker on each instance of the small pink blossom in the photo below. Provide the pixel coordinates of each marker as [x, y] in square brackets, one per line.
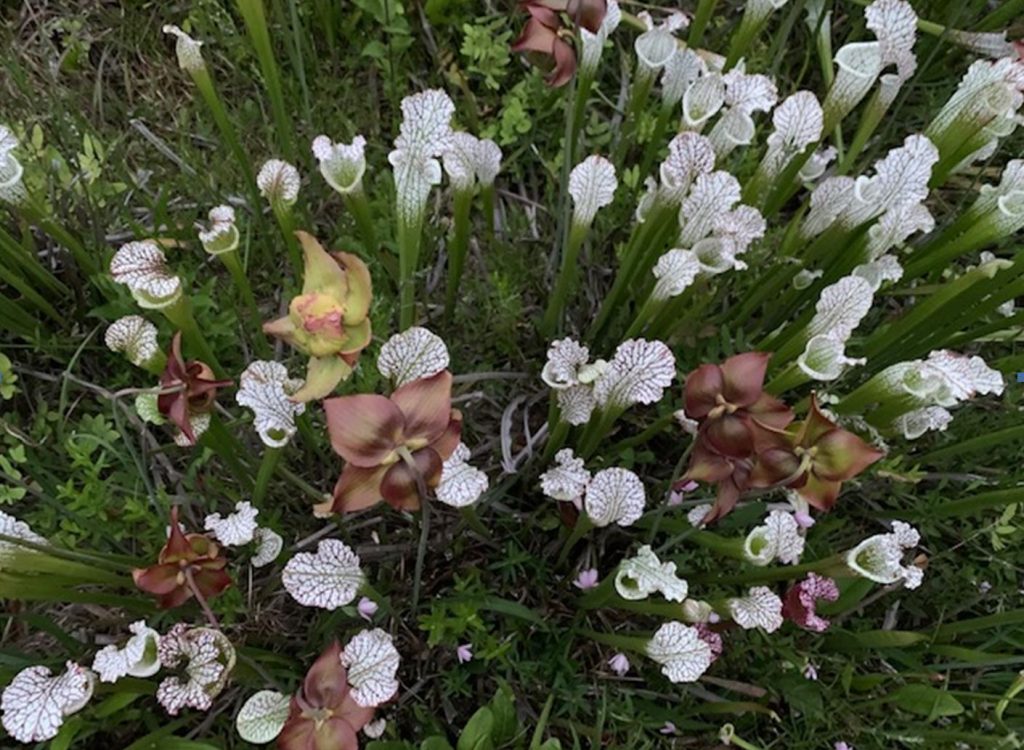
[587, 579]
[367, 608]
[619, 664]
[714, 618]
[803, 519]
[843, 746]
[675, 499]
[464, 653]
[802, 598]
[810, 672]
[668, 728]
[688, 487]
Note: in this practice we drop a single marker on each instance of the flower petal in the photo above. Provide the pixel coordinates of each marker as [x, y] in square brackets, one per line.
[400, 486]
[328, 579]
[426, 406]
[365, 429]
[743, 377]
[357, 488]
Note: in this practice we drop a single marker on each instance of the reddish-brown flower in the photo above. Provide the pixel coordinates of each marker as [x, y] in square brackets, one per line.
[726, 398]
[184, 557]
[392, 445]
[323, 713]
[190, 389]
[817, 452]
[548, 34]
[802, 599]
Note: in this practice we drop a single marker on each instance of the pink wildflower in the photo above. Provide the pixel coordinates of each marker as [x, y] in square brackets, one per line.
[464, 653]
[619, 664]
[587, 579]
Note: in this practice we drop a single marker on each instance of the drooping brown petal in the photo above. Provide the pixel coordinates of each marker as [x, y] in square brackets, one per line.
[743, 377]
[400, 487]
[158, 580]
[543, 40]
[770, 411]
[445, 445]
[303, 733]
[326, 682]
[178, 546]
[212, 581]
[703, 386]
[426, 405]
[729, 491]
[729, 435]
[353, 714]
[357, 488]
[821, 493]
[365, 429]
[706, 466]
[841, 455]
[588, 14]
[776, 465]
[815, 426]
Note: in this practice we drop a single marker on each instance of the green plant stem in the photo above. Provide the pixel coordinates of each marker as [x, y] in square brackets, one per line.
[180, 314]
[791, 377]
[583, 86]
[749, 27]
[625, 642]
[487, 199]
[37, 214]
[208, 91]
[724, 546]
[597, 428]
[667, 114]
[271, 457]
[459, 247]
[580, 530]
[647, 313]
[870, 118]
[409, 240]
[705, 8]
[228, 448]
[566, 283]
[286, 223]
[233, 263]
[639, 93]
[259, 35]
[358, 205]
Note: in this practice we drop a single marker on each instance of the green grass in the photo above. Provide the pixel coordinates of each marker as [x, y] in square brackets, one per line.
[122, 147]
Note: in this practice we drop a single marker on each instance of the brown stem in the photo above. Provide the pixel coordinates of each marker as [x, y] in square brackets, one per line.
[212, 618]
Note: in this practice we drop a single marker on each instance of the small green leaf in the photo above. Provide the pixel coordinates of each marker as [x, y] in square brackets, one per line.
[925, 700]
[477, 734]
[434, 743]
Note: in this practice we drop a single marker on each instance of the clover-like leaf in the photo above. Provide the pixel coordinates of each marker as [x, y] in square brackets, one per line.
[279, 182]
[567, 480]
[900, 177]
[341, 164]
[202, 659]
[236, 528]
[142, 267]
[778, 538]
[461, 484]
[411, 355]
[824, 358]
[681, 70]
[675, 271]
[615, 496]
[372, 662]
[268, 546]
[760, 608]
[841, 308]
[137, 658]
[592, 185]
[266, 388]
[684, 656]
[135, 337]
[894, 22]
[749, 93]
[829, 199]
[639, 373]
[328, 579]
[689, 155]
[188, 50]
[704, 98]
[915, 423]
[459, 160]
[712, 195]
[263, 716]
[35, 703]
[640, 576]
[12, 527]
[964, 377]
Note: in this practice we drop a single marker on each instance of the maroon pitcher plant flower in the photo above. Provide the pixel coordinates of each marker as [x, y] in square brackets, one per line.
[548, 38]
[188, 563]
[188, 389]
[323, 715]
[395, 446]
[802, 599]
[817, 452]
[725, 399]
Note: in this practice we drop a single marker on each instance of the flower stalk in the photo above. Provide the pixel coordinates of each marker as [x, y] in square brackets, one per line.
[566, 281]
[459, 247]
[255, 18]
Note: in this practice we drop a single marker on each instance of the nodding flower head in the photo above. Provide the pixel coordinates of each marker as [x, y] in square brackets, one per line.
[548, 34]
[189, 390]
[279, 183]
[329, 319]
[324, 712]
[188, 563]
[818, 455]
[394, 447]
[221, 234]
[189, 50]
[341, 164]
